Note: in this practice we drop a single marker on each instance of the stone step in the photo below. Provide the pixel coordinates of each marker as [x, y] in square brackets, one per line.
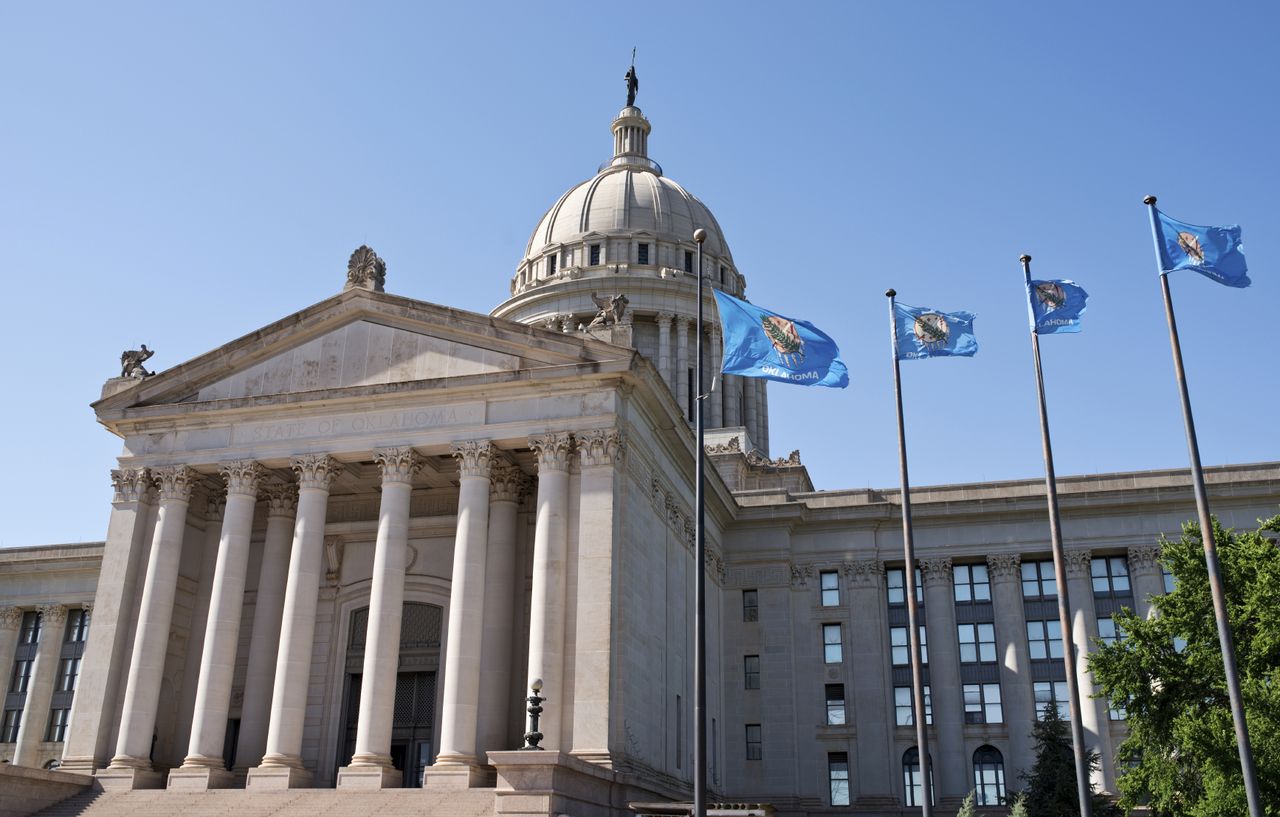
[293, 803]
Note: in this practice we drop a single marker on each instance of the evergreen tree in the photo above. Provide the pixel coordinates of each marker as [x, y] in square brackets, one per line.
[1051, 783]
[967, 808]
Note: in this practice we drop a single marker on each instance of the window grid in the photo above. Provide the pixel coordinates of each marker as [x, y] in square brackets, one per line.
[1044, 639]
[1052, 693]
[21, 675]
[1110, 575]
[838, 776]
[68, 673]
[751, 671]
[12, 722]
[1038, 580]
[754, 743]
[1169, 581]
[642, 254]
[835, 705]
[832, 644]
[912, 780]
[58, 720]
[896, 579]
[830, 583]
[900, 646]
[750, 605]
[1108, 633]
[904, 708]
[688, 262]
[595, 254]
[30, 633]
[971, 583]
[78, 626]
[977, 643]
[982, 703]
[988, 776]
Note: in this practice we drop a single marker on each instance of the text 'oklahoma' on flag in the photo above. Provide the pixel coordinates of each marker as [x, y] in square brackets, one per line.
[1056, 306]
[760, 343]
[921, 332]
[1215, 252]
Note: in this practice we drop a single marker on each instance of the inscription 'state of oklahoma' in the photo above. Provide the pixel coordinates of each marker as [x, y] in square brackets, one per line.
[374, 421]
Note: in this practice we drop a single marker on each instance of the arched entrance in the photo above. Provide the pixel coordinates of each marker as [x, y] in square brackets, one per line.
[413, 724]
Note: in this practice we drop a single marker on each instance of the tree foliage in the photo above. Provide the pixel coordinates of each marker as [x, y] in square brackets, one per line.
[1051, 782]
[967, 808]
[1167, 673]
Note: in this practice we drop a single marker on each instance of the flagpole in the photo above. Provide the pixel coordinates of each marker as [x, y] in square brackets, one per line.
[909, 556]
[699, 572]
[1084, 788]
[1206, 538]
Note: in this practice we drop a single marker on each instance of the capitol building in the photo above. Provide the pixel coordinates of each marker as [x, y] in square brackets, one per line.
[342, 547]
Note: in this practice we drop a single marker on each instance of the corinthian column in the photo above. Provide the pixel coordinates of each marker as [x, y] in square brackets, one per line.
[35, 715]
[131, 767]
[716, 398]
[371, 765]
[215, 504]
[944, 677]
[1147, 577]
[599, 453]
[10, 622]
[507, 483]
[281, 766]
[664, 346]
[1016, 699]
[456, 764]
[547, 605]
[204, 767]
[751, 407]
[1084, 628]
[732, 399]
[264, 641]
[682, 365]
[94, 706]
[869, 690]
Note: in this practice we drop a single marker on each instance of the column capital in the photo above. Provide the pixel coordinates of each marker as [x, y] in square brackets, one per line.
[683, 321]
[552, 451]
[215, 505]
[507, 483]
[10, 618]
[1078, 562]
[52, 614]
[175, 482]
[398, 464]
[1003, 567]
[474, 457]
[242, 476]
[315, 470]
[1144, 558]
[88, 608]
[936, 570]
[864, 572]
[599, 447]
[664, 318]
[282, 499]
[130, 484]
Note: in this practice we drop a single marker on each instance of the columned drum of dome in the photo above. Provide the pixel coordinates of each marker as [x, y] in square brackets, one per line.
[629, 230]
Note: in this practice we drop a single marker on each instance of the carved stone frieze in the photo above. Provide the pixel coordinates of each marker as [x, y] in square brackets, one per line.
[53, 614]
[215, 505]
[664, 319]
[130, 484]
[553, 451]
[282, 499]
[175, 482]
[792, 460]
[936, 570]
[733, 446]
[1144, 558]
[10, 618]
[1003, 567]
[398, 464]
[601, 446]
[1078, 562]
[864, 572]
[315, 470]
[365, 270]
[801, 574]
[242, 476]
[507, 483]
[690, 532]
[474, 457]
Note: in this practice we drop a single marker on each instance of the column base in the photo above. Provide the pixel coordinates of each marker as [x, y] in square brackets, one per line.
[368, 771]
[459, 774]
[79, 765]
[127, 779]
[277, 778]
[200, 778]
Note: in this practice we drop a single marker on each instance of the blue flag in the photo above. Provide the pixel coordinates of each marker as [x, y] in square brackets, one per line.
[1056, 306]
[1215, 252]
[922, 332]
[760, 343]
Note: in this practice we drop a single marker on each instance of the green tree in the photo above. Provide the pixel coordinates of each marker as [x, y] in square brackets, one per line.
[1018, 806]
[1167, 674]
[967, 808]
[1051, 782]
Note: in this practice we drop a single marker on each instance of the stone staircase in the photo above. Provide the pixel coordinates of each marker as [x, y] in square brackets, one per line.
[292, 803]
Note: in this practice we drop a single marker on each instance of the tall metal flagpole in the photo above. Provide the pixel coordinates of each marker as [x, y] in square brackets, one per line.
[913, 612]
[700, 580]
[1206, 537]
[1069, 657]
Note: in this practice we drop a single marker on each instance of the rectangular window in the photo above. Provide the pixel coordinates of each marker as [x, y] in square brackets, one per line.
[751, 671]
[21, 675]
[721, 275]
[78, 626]
[754, 745]
[830, 581]
[594, 254]
[12, 722]
[1168, 579]
[838, 775]
[30, 633]
[551, 265]
[750, 605]
[1038, 580]
[688, 261]
[1110, 575]
[642, 254]
[1108, 632]
[1117, 713]
[896, 579]
[835, 705]
[971, 583]
[58, 720]
[982, 703]
[68, 672]
[904, 711]
[1052, 693]
[1044, 639]
[832, 644]
[900, 647]
[693, 395]
[977, 642]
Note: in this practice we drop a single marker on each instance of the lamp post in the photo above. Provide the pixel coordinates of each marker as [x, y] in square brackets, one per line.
[533, 737]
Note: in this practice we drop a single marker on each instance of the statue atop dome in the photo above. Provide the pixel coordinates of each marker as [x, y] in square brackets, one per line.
[633, 82]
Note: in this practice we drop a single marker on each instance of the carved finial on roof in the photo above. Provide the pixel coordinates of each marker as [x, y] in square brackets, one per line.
[366, 270]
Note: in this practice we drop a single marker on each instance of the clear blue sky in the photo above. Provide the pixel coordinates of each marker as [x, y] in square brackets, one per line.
[181, 174]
